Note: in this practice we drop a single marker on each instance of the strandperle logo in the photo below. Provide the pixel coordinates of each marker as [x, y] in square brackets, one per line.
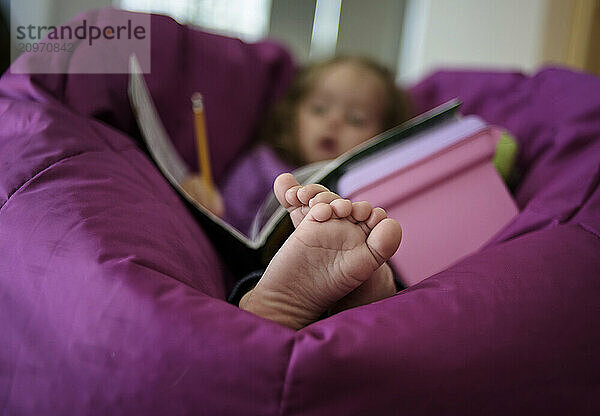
[98, 41]
[83, 31]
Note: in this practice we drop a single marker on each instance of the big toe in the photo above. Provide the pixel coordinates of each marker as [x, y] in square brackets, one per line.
[384, 239]
[282, 184]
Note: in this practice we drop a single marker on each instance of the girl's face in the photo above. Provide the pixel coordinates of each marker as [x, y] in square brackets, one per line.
[344, 108]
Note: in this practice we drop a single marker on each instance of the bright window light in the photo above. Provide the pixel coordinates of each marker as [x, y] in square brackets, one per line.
[247, 19]
[325, 29]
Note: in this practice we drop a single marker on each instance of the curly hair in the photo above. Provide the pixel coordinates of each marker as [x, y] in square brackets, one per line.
[280, 128]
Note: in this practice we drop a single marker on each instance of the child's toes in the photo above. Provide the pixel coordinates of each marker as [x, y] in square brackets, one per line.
[291, 197]
[361, 211]
[282, 184]
[377, 215]
[322, 197]
[307, 192]
[341, 207]
[384, 239]
[320, 212]
[325, 197]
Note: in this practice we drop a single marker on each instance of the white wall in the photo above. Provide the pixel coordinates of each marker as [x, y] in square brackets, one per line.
[472, 33]
[372, 28]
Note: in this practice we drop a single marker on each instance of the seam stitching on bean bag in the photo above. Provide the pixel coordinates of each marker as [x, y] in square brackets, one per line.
[588, 229]
[55, 163]
[38, 173]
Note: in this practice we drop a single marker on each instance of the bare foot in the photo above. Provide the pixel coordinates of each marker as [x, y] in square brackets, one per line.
[326, 257]
[298, 199]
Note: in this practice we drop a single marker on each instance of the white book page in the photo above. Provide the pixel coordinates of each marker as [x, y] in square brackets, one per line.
[161, 148]
[167, 158]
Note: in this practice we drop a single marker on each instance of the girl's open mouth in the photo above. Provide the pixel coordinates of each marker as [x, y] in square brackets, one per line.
[328, 145]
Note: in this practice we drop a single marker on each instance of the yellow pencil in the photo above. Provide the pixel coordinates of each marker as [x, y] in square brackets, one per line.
[202, 142]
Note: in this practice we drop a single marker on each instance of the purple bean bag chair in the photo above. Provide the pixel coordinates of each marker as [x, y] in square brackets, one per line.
[112, 300]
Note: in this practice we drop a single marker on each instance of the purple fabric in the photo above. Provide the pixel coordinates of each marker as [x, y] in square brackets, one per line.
[112, 299]
[184, 61]
[248, 183]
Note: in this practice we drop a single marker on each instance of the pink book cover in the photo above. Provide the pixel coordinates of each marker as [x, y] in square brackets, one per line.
[449, 202]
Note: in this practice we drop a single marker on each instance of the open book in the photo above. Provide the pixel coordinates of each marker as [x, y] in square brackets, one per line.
[272, 224]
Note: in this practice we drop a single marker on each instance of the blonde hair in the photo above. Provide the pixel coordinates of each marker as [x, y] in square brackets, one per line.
[279, 131]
